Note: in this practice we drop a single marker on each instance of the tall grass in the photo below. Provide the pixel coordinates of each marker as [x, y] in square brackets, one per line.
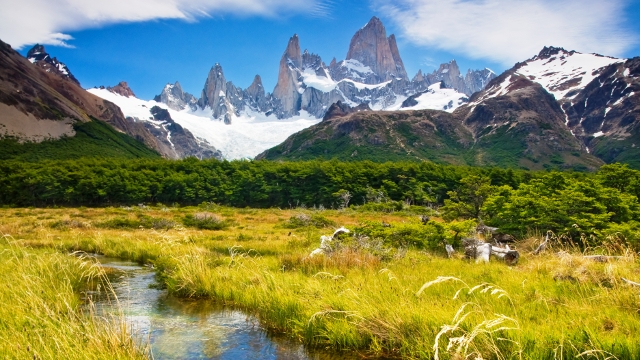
[42, 315]
[559, 304]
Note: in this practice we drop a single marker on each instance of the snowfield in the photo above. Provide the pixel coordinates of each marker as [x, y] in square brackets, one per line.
[248, 135]
[437, 99]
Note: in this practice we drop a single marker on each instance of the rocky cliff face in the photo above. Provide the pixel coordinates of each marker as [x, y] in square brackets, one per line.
[176, 142]
[38, 55]
[449, 74]
[255, 96]
[371, 48]
[287, 89]
[176, 98]
[214, 95]
[122, 89]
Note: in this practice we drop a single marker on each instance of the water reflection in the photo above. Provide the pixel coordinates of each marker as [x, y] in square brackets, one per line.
[187, 329]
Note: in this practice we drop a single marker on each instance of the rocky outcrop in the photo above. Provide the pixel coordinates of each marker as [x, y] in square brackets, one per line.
[477, 80]
[255, 96]
[174, 141]
[395, 53]
[449, 74]
[38, 55]
[287, 90]
[214, 95]
[371, 48]
[176, 98]
[122, 89]
[340, 109]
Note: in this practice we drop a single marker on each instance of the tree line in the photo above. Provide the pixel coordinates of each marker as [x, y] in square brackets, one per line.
[580, 205]
[96, 182]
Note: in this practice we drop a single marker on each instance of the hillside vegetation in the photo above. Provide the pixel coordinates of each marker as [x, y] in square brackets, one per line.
[93, 139]
[373, 293]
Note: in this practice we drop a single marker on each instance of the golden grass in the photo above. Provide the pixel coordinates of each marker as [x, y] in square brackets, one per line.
[555, 305]
[42, 316]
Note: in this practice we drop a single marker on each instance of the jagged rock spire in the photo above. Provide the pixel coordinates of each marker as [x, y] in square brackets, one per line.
[214, 95]
[286, 89]
[371, 47]
[39, 56]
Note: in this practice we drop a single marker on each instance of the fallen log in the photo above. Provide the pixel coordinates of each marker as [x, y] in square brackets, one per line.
[509, 256]
[481, 251]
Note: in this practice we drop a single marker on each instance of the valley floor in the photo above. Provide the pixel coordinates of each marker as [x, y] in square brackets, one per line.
[364, 296]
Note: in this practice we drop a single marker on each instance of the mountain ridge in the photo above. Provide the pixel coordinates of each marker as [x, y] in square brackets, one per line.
[580, 115]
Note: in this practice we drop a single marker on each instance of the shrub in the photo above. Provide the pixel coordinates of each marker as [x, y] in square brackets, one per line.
[68, 224]
[388, 206]
[304, 220]
[431, 235]
[143, 221]
[205, 221]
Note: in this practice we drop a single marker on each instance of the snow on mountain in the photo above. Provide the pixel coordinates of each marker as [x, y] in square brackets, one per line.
[249, 134]
[435, 98]
[564, 73]
[322, 83]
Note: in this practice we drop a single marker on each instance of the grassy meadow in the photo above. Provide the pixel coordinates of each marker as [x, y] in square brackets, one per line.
[365, 296]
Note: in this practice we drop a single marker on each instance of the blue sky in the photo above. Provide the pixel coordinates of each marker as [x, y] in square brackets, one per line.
[151, 42]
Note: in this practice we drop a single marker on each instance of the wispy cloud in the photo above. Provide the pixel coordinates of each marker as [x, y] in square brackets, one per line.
[27, 22]
[507, 31]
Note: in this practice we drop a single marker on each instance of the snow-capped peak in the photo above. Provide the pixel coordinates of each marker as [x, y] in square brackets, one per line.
[563, 73]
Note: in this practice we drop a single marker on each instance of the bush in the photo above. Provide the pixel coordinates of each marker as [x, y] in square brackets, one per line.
[205, 221]
[143, 221]
[388, 206]
[68, 224]
[304, 220]
[431, 235]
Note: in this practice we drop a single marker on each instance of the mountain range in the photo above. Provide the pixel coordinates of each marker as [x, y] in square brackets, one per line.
[373, 72]
[559, 109]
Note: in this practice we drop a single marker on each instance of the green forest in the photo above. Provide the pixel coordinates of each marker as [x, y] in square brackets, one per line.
[582, 206]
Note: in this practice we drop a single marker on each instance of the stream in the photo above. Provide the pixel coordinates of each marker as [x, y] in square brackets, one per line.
[193, 329]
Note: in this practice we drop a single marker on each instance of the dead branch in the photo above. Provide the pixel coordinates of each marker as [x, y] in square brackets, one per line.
[630, 282]
[542, 246]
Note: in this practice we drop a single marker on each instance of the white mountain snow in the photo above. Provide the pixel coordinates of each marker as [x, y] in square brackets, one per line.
[250, 134]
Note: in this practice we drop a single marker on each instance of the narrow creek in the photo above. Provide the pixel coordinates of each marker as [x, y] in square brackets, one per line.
[193, 329]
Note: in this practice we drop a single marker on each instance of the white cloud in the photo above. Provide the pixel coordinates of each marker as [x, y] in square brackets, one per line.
[508, 31]
[26, 22]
